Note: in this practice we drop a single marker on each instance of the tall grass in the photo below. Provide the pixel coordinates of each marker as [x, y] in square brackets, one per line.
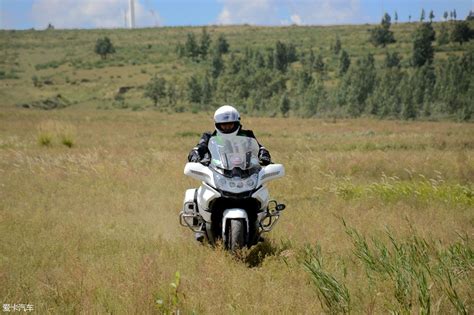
[94, 229]
[333, 294]
[55, 131]
[416, 268]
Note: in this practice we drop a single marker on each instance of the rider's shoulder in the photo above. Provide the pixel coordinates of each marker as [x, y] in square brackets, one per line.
[246, 133]
[208, 134]
[205, 138]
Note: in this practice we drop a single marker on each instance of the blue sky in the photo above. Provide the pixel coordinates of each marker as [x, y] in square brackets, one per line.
[24, 14]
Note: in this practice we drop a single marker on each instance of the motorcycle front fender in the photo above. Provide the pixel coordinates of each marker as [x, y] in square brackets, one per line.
[234, 213]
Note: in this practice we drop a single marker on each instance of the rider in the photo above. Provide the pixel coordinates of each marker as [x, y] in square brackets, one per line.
[227, 122]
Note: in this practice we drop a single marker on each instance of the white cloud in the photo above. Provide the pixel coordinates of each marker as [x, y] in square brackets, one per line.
[274, 12]
[248, 11]
[89, 14]
[323, 12]
[296, 19]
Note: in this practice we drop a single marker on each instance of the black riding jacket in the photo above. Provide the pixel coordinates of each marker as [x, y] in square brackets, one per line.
[201, 147]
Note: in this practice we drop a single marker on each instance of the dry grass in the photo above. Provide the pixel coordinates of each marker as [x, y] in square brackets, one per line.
[93, 228]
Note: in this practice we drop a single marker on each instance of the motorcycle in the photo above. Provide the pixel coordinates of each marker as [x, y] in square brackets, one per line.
[232, 204]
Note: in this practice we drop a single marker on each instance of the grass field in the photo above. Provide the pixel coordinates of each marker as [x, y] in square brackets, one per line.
[379, 217]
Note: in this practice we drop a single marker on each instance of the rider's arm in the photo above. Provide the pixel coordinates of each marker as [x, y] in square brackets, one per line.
[197, 153]
[263, 154]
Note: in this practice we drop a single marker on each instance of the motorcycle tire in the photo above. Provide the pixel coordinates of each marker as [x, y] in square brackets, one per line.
[236, 234]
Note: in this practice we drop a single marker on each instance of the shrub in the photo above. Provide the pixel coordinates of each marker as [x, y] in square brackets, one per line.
[461, 32]
[155, 89]
[45, 139]
[50, 130]
[104, 47]
[381, 35]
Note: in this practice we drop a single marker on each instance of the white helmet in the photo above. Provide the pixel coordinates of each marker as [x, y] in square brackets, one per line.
[227, 114]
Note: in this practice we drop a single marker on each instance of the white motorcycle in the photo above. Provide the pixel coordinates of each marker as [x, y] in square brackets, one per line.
[233, 203]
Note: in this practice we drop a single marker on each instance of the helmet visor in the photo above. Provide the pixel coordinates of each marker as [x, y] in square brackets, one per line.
[226, 116]
[228, 127]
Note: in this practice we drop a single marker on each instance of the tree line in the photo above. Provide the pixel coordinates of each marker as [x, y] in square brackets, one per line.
[285, 79]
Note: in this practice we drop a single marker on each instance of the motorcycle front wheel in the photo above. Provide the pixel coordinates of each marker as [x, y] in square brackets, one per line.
[236, 236]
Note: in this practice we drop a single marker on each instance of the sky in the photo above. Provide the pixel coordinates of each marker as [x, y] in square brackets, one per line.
[67, 14]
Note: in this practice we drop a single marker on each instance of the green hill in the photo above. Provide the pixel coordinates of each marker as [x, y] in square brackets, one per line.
[38, 65]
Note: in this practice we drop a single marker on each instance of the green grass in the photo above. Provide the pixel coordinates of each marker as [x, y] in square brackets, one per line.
[393, 189]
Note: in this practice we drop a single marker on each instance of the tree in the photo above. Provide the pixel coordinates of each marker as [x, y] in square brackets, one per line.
[386, 20]
[409, 110]
[381, 35]
[281, 57]
[315, 99]
[422, 83]
[357, 85]
[344, 62]
[461, 32]
[217, 64]
[443, 37]
[392, 60]
[155, 89]
[422, 49]
[206, 95]
[205, 43]
[270, 60]
[304, 79]
[318, 64]
[337, 46]
[194, 90]
[454, 86]
[191, 48]
[285, 105]
[103, 47]
[309, 62]
[172, 94]
[395, 17]
[432, 16]
[386, 98]
[454, 14]
[470, 16]
[291, 55]
[222, 45]
[445, 15]
[259, 60]
[422, 16]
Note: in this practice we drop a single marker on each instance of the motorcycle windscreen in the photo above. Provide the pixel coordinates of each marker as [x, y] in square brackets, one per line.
[229, 152]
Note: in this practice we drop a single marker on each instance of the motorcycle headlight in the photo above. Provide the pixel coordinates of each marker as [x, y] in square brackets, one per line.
[252, 181]
[223, 182]
[219, 180]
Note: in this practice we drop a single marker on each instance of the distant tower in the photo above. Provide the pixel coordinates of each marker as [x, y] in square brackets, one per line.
[131, 10]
